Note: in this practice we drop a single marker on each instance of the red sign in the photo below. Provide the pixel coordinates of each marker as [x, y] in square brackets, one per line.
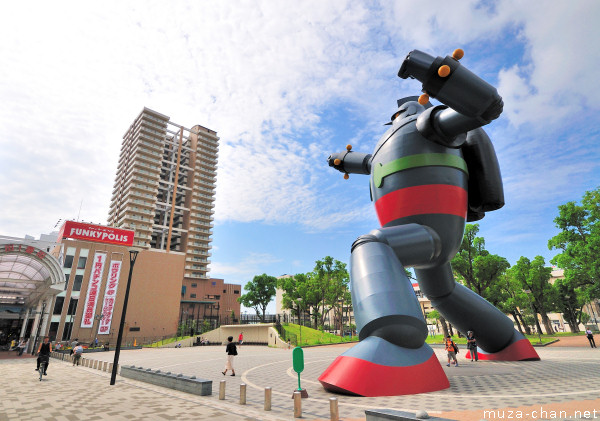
[22, 247]
[97, 233]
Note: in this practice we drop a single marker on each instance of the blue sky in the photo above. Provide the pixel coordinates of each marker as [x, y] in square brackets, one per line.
[285, 84]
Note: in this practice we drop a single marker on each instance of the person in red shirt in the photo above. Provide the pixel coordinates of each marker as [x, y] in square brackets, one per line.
[241, 338]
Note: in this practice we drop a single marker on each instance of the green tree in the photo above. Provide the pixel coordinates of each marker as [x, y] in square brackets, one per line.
[534, 277]
[260, 292]
[570, 303]
[439, 319]
[296, 294]
[328, 282]
[579, 243]
[509, 297]
[475, 266]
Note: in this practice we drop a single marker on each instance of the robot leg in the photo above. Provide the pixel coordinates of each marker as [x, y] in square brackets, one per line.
[392, 357]
[495, 333]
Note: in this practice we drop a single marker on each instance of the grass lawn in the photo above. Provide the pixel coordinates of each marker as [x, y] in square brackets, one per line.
[316, 337]
[439, 339]
[166, 341]
[308, 336]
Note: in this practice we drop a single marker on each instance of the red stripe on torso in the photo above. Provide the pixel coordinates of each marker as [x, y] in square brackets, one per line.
[419, 200]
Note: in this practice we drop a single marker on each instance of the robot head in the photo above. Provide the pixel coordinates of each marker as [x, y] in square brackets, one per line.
[409, 106]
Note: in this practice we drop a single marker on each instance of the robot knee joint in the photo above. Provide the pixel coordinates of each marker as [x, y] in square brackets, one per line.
[372, 237]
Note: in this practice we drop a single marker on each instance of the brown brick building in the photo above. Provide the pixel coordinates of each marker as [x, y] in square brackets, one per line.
[212, 300]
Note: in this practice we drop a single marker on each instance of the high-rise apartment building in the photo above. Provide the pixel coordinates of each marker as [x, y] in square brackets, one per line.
[165, 186]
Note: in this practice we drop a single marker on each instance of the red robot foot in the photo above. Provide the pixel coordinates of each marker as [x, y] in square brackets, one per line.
[520, 349]
[376, 367]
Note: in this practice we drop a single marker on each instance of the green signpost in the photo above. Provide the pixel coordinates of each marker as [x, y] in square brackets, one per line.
[298, 365]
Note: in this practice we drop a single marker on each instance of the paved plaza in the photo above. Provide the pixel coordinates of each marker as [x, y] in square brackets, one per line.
[567, 378]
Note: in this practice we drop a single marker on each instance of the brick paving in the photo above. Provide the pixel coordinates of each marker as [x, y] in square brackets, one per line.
[565, 378]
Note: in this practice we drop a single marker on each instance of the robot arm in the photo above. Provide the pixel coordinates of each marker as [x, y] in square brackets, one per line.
[350, 162]
[485, 181]
[471, 102]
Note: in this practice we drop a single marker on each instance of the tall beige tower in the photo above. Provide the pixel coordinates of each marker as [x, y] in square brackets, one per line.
[165, 186]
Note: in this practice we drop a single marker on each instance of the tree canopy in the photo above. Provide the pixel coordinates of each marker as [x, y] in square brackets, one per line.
[318, 292]
[533, 276]
[579, 243]
[261, 291]
[475, 266]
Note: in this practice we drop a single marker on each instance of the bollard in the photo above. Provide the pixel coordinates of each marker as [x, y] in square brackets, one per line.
[94, 364]
[334, 413]
[110, 365]
[267, 398]
[105, 366]
[242, 394]
[222, 390]
[297, 404]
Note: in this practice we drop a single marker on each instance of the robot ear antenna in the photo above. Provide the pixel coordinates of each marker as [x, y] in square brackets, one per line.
[346, 176]
[458, 54]
[348, 147]
[337, 161]
[423, 99]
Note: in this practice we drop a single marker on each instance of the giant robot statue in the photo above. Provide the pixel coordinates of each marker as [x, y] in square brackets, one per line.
[433, 169]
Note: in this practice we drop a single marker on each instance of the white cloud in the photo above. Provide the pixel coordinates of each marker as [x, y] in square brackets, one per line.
[246, 268]
[262, 74]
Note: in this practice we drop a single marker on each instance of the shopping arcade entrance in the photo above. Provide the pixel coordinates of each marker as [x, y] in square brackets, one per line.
[29, 279]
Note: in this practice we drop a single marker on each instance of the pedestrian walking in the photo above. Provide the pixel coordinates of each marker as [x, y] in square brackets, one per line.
[472, 345]
[74, 344]
[231, 351]
[451, 349]
[590, 337]
[77, 352]
[241, 338]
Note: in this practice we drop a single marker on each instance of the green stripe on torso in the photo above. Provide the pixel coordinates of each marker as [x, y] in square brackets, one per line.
[414, 161]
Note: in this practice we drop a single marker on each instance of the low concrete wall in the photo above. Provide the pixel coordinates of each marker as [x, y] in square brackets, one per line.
[258, 333]
[179, 382]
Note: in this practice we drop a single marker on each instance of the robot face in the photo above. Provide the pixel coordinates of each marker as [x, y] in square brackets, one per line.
[408, 109]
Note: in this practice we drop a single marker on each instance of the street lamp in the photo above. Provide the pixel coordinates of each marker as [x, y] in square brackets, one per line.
[132, 257]
[299, 300]
[98, 317]
[528, 291]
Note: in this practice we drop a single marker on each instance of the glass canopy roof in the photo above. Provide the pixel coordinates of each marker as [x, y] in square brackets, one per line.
[24, 277]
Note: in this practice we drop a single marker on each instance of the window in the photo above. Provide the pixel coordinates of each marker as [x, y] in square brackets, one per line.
[69, 261]
[224, 291]
[67, 330]
[194, 285]
[53, 330]
[81, 262]
[58, 305]
[214, 283]
[236, 291]
[77, 282]
[72, 307]
[193, 295]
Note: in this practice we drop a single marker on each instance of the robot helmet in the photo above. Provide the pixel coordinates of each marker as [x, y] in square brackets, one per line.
[409, 106]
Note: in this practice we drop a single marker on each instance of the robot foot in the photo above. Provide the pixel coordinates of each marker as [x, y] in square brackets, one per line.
[376, 367]
[519, 349]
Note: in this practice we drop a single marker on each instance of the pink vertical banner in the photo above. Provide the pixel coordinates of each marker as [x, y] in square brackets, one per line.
[92, 292]
[110, 296]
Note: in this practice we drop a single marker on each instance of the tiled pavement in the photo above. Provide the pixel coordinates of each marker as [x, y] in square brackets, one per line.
[564, 376]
